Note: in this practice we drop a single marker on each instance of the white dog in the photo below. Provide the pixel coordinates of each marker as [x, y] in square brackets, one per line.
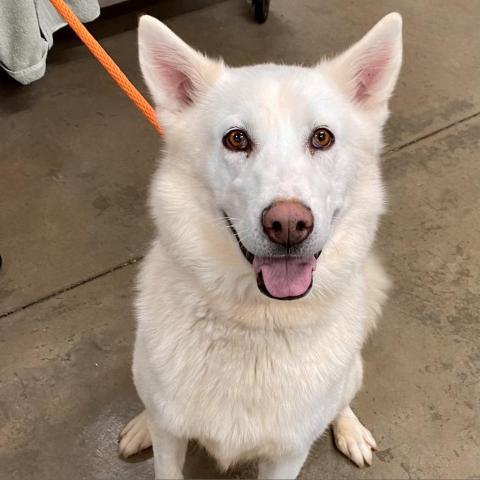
[260, 286]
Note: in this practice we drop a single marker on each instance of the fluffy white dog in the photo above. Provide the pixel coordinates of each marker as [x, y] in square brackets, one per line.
[260, 286]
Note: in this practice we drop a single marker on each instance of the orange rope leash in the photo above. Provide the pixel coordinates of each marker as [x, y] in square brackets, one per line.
[110, 66]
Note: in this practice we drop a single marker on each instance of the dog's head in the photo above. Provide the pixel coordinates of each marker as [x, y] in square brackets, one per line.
[288, 153]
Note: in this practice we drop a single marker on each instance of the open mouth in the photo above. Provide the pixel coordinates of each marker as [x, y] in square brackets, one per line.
[285, 277]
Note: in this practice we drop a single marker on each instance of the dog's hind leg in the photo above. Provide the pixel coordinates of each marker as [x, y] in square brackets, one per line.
[135, 437]
[352, 438]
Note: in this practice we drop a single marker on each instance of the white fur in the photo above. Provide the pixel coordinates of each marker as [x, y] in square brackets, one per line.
[215, 359]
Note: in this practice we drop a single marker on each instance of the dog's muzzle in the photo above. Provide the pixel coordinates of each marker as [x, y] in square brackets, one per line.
[282, 277]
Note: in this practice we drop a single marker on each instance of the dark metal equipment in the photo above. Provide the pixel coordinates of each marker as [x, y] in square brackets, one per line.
[260, 9]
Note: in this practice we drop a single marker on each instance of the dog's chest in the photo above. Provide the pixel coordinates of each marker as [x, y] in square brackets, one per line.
[239, 390]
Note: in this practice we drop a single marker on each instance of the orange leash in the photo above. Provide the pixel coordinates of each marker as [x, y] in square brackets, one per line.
[110, 66]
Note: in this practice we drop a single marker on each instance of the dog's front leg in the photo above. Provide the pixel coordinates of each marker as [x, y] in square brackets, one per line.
[352, 438]
[168, 452]
[285, 467]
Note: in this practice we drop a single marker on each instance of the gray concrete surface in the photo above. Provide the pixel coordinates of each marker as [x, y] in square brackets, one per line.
[75, 159]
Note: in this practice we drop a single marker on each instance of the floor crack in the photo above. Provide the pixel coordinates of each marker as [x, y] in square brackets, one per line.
[72, 286]
[431, 134]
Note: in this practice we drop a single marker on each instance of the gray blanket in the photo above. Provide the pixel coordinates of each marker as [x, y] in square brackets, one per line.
[26, 34]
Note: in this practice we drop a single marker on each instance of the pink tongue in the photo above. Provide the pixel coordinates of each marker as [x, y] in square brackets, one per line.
[286, 276]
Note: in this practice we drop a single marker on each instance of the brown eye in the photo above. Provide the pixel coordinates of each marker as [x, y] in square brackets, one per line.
[322, 138]
[236, 140]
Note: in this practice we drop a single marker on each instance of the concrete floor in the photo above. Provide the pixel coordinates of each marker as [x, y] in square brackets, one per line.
[75, 160]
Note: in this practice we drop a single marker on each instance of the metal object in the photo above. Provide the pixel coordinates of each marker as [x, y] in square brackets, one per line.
[260, 9]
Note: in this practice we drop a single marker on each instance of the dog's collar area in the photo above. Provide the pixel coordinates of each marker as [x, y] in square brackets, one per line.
[260, 282]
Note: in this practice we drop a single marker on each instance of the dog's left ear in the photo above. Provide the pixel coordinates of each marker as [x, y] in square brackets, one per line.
[368, 70]
[175, 73]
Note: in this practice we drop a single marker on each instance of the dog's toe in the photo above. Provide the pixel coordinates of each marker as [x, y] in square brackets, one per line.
[353, 439]
[135, 437]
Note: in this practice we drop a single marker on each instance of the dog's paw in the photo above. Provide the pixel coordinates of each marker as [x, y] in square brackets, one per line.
[353, 439]
[135, 437]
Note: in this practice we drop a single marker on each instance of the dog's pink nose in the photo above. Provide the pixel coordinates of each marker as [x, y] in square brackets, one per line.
[287, 222]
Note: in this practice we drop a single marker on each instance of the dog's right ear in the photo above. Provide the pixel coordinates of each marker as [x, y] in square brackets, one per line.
[175, 73]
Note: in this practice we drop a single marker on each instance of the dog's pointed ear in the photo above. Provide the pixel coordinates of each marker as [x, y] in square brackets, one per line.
[175, 73]
[368, 70]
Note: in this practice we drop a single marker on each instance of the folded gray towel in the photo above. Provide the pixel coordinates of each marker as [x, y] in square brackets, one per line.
[26, 34]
